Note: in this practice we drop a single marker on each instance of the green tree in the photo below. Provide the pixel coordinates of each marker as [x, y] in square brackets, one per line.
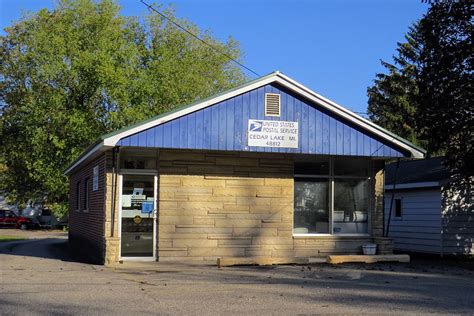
[427, 94]
[393, 99]
[446, 106]
[70, 74]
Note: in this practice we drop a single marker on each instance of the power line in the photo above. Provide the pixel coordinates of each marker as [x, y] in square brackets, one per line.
[380, 147]
[150, 7]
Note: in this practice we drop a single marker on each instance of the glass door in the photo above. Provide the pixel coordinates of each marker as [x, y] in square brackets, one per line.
[138, 215]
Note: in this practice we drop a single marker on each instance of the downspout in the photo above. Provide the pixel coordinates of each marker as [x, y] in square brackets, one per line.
[393, 196]
[115, 151]
[441, 238]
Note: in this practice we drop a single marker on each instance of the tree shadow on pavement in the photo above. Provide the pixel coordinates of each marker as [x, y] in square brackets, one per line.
[401, 286]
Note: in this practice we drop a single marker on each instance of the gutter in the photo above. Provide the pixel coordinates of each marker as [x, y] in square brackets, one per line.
[414, 185]
[89, 152]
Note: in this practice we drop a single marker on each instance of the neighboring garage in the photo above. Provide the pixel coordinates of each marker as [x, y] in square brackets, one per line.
[269, 169]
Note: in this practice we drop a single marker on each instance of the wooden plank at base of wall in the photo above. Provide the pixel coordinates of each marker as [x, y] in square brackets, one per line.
[367, 259]
[264, 261]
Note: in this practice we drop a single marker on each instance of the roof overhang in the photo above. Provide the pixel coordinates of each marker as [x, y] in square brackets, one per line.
[91, 152]
[110, 140]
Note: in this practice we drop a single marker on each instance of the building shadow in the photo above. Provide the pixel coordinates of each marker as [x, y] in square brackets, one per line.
[46, 248]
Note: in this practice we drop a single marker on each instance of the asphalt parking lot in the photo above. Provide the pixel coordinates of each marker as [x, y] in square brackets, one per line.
[40, 277]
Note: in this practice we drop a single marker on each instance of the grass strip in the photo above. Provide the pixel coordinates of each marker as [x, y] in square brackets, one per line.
[10, 238]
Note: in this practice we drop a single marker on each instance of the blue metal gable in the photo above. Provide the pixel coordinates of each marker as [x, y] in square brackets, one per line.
[223, 126]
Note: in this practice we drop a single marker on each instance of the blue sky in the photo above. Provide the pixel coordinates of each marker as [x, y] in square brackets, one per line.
[332, 47]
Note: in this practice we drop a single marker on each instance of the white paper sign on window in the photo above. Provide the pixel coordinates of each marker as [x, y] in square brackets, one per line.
[95, 178]
[279, 134]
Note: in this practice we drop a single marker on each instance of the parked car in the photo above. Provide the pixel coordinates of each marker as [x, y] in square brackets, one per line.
[41, 217]
[10, 219]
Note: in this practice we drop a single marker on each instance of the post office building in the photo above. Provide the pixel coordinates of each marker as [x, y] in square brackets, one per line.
[269, 169]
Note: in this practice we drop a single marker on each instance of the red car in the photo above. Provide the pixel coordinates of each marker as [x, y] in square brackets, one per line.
[10, 220]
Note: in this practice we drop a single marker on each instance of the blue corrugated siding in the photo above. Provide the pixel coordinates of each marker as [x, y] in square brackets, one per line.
[223, 126]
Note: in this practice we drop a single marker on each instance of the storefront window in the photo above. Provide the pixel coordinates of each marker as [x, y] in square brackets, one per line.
[332, 197]
[351, 206]
[311, 206]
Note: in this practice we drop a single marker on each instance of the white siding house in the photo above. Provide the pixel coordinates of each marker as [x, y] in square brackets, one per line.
[4, 205]
[430, 211]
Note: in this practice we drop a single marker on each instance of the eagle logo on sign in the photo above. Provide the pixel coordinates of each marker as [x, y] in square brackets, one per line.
[256, 126]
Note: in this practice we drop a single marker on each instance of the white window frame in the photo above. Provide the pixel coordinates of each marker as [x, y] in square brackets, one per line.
[331, 178]
[95, 178]
[149, 172]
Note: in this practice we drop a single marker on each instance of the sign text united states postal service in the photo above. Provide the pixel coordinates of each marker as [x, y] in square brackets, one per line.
[279, 134]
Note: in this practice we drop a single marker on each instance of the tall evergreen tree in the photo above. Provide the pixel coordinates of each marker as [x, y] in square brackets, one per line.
[445, 80]
[393, 99]
[426, 96]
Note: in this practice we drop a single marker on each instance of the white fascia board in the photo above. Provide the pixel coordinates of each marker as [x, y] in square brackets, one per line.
[415, 185]
[347, 114]
[89, 154]
[110, 142]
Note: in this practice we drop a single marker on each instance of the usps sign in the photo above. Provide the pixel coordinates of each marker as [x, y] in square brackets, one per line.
[280, 134]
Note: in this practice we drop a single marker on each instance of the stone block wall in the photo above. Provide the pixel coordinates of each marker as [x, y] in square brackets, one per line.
[218, 204]
[215, 205]
[228, 204]
[377, 200]
[111, 217]
[384, 245]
